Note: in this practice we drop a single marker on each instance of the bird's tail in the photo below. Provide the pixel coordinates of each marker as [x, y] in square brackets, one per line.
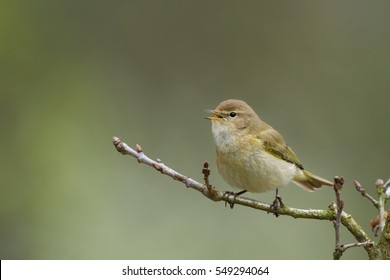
[308, 181]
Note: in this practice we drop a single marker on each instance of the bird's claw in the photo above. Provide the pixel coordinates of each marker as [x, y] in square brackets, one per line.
[235, 194]
[227, 194]
[276, 204]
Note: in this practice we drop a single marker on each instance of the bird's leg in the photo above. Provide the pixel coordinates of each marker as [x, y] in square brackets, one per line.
[277, 203]
[231, 204]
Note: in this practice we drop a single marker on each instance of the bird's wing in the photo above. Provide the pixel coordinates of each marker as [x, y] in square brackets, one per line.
[274, 143]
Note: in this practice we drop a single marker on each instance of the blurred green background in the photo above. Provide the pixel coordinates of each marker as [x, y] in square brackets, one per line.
[75, 73]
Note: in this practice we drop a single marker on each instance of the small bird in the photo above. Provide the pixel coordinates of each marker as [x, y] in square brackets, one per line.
[251, 155]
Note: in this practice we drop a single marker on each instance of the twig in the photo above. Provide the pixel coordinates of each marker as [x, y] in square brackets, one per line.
[337, 186]
[363, 192]
[342, 248]
[375, 223]
[387, 188]
[124, 149]
[214, 194]
[206, 173]
[387, 184]
[357, 244]
[380, 189]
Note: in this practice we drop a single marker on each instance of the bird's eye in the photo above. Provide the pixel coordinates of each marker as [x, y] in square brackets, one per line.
[233, 114]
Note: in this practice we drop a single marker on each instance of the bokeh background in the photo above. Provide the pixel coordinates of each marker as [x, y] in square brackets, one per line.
[75, 73]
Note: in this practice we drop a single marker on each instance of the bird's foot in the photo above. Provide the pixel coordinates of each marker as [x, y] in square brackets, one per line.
[235, 194]
[276, 204]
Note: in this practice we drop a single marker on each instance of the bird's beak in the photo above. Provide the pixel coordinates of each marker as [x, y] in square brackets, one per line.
[217, 115]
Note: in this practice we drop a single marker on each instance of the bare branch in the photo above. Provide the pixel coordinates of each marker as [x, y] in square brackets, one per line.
[381, 188]
[363, 192]
[342, 248]
[334, 212]
[387, 190]
[337, 186]
[124, 149]
[357, 244]
[387, 184]
[381, 191]
[384, 243]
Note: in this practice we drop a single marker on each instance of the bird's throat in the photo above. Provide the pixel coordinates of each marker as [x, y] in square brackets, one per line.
[223, 138]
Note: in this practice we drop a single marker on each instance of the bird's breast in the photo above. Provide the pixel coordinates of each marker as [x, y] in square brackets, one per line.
[253, 169]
